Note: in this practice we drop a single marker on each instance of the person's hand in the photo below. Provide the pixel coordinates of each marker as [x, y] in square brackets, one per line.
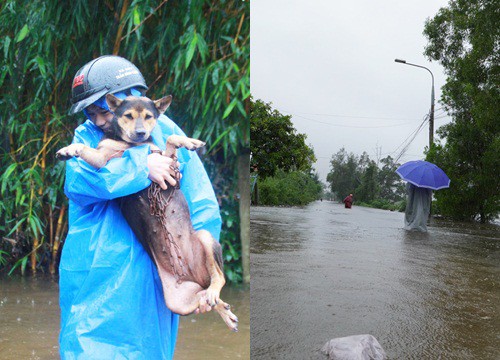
[161, 170]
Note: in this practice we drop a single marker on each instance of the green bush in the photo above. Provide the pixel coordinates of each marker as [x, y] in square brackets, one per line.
[384, 205]
[294, 188]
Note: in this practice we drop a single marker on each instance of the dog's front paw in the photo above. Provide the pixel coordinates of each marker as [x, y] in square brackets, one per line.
[193, 144]
[179, 141]
[70, 151]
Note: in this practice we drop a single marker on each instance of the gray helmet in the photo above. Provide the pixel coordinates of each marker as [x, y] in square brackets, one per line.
[106, 74]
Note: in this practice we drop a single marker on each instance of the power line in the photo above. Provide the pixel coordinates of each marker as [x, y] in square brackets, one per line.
[414, 133]
[356, 116]
[348, 126]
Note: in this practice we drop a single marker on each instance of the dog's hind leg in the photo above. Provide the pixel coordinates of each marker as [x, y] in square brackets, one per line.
[224, 310]
[213, 252]
[175, 142]
[185, 298]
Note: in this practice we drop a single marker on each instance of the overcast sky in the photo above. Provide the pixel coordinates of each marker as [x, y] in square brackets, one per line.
[330, 64]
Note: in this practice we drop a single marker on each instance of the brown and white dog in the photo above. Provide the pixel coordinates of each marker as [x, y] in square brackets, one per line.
[189, 262]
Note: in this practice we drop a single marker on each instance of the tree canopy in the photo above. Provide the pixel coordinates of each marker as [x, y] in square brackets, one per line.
[361, 176]
[465, 38]
[275, 144]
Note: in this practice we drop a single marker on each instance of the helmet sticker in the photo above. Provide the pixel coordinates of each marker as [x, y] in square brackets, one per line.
[78, 80]
[126, 72]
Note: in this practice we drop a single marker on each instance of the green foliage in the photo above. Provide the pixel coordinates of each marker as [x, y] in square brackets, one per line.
[384, 204]
[276, 145]
[391, 186]
[293, 188]
[198, 51]
[362, 177]
[464, 37]
[369, 188]
[344, 174]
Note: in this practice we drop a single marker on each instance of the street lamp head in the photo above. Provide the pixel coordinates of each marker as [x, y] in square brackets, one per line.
[431, 119]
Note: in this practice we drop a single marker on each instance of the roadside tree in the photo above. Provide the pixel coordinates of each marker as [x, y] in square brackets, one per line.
[465, 38]
[280, 157]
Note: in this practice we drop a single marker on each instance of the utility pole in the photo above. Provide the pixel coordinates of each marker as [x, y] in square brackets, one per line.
[431, 115]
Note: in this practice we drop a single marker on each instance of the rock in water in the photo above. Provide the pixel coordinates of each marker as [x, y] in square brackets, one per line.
[355, 347]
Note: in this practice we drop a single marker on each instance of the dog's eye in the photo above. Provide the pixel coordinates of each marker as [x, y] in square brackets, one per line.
[129, 116]
[148, 117]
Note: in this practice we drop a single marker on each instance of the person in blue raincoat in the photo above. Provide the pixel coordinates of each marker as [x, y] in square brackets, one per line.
[111, 297]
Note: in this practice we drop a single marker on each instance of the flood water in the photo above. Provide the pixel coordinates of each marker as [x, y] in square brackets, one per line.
[29, 324]
[323, 271]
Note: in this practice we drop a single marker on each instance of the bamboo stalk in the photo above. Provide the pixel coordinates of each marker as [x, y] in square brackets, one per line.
[144, 20]
[239, 28]
[55, 247]
[44, 151]
[12, 149]
[35, 236]
[33, 255]
[51, 227]
[116, 47]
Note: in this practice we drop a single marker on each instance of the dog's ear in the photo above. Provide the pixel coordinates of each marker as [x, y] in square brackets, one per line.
[113, 102]
[163, 103]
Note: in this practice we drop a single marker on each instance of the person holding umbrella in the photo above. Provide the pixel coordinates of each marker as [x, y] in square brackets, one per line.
[422, 178]
[418, 207]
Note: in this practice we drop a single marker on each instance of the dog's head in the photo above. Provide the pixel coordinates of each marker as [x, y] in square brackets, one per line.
[135, 117]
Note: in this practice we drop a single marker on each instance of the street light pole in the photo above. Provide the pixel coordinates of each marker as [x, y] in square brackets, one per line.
[431, 116]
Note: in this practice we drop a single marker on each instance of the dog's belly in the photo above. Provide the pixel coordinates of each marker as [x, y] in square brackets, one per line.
[174, 248]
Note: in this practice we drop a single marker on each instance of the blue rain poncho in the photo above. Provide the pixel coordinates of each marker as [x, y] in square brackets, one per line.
[111, 297]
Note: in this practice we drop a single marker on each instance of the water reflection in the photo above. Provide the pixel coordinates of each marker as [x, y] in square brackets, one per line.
[343, 272]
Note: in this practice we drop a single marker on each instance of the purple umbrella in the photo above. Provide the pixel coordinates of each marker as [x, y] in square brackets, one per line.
[424, 174]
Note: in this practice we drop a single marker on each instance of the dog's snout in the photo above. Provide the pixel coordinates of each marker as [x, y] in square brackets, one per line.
[140, 132]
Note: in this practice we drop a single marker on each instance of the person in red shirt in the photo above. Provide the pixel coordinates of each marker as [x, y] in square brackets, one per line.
[348, 201]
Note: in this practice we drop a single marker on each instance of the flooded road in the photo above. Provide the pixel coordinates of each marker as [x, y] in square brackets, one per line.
[323, 271]
[29, 324]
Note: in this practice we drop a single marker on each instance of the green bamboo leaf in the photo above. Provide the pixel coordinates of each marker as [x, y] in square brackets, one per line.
[23, 33]
[219, 138]
[6, 45]
[190, 52]
[24, 262]
[19, 263]
[202, 48]
[215, 76]
[6, 176]
[245, 90]
[3, 74]
[3, 260]
[230, 108]
[204, 85]
[19, 223]
[41, 65]
[240, 107]
[137, 16]
[35, 225]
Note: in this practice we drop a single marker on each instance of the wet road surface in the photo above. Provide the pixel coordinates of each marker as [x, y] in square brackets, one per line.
[323, 271]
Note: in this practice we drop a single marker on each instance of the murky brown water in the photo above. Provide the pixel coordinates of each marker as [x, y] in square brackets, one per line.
[323, 271]
[29, 324]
